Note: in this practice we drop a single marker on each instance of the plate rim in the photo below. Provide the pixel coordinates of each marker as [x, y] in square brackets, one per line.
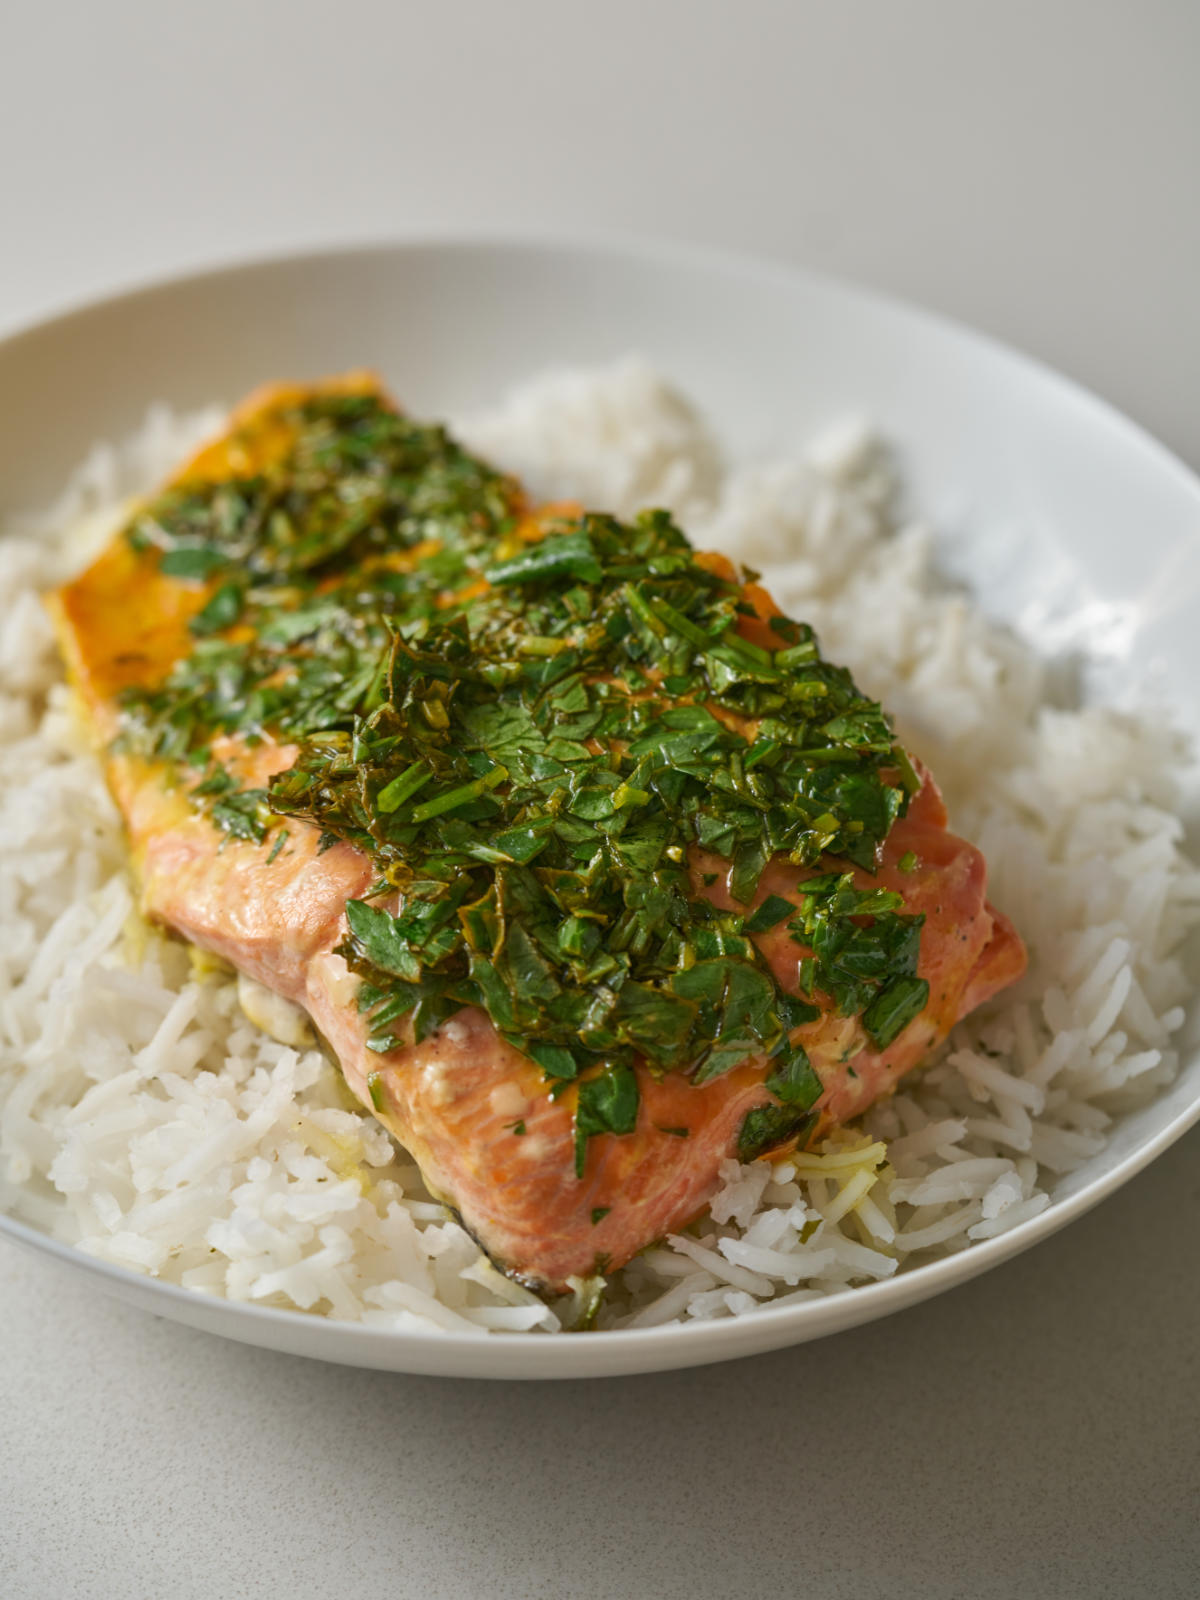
[632, 246]
[633, 1349]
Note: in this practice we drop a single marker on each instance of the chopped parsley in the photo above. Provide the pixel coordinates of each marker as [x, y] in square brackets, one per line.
[528, 733]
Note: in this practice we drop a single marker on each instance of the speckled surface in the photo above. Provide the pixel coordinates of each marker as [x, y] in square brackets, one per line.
[1035, 1433]
[1029, 168]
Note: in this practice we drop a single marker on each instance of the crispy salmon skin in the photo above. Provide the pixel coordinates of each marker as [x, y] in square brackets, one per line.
[587, 867]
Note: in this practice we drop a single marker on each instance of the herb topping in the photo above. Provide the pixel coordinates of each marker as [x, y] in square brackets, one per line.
[528, 739]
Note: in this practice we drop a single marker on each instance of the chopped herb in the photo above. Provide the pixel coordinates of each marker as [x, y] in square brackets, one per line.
[382, 939]
[894, 1008]
[907, 861]
[401, 788]
[375, 1090]
[772, 911]
[222, 611]
[570, 555]
[794, 1082]
[454, 799]
[280, 841]
[608, 1103]
[191, 561]
[599, 1213]
[244, 815]
[863, 948]
[529, 738]
[767, 1127]
[217, 781]
[554, 1060]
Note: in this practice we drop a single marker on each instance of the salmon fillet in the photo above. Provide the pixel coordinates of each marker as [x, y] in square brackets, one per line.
[227, 858]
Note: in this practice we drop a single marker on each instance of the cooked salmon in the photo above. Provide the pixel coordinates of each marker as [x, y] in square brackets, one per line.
[496, 1136]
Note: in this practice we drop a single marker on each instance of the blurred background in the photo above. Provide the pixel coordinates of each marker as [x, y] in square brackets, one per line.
[1029, 168]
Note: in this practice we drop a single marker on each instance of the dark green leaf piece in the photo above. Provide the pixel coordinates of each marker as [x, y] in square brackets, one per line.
[221, 612]
[768, 1127]
[608, 1103]
[768, 915]
[191, 561]
[894, 1008]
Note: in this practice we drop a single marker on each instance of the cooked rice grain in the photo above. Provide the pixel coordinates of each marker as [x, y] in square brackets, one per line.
[144, 1119]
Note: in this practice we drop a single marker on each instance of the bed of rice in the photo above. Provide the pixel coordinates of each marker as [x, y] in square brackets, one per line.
[143, 1118]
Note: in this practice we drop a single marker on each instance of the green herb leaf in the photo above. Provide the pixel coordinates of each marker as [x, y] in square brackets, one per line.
[564, 555]
[607, 1104]
[402, 787]
[768, 1127]
[381, 938]
[221, 612]
[768, 915]
[894, 1008]
[793, 1080]
[554, 1059]
[454, 799]
[191, 561]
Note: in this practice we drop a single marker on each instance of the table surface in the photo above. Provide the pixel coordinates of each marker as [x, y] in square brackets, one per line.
[1028, 168]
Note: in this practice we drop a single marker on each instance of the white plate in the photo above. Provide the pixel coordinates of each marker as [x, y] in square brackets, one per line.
[1071, 522]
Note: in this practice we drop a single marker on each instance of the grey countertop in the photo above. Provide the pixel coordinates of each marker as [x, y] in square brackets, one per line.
[1030, 169]
[1033, 1433]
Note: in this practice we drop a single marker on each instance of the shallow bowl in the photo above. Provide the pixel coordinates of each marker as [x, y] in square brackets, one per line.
[1071, 523]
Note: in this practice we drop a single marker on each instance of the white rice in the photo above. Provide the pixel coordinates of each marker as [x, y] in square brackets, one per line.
[144, 1119]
